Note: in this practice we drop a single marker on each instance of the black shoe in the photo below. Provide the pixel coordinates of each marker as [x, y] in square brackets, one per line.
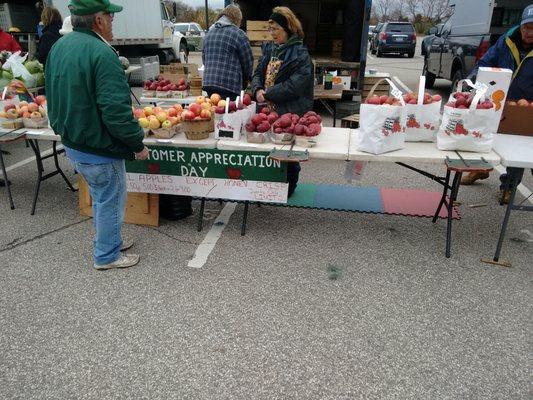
[3, 183]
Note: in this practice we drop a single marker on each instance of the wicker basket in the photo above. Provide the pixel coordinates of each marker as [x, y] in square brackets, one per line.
[11, 123]
[166, 133]
[199, 129]
[35, 122]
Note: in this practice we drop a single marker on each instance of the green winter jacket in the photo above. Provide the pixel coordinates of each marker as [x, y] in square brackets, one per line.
[89, 103]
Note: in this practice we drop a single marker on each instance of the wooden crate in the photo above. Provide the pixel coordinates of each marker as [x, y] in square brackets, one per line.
[257, 53]
[351, 121]
[382, 89]
[257, 31]
[141, 208]
[257, 25]
[336, 48]
[259, 36]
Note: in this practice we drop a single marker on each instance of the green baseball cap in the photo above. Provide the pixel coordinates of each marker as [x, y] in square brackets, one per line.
[86, 7]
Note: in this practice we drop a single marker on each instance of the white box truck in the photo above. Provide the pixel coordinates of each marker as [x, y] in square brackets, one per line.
[142, 28]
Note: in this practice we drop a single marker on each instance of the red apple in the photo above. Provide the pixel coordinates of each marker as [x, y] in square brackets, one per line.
[205, 114]
[188, 115]
[40, 100]
[195, 108]
[247, 100]
[250, 127]
[373, 100]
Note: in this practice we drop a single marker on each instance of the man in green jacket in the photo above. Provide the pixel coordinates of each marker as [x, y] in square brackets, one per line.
[89, 105]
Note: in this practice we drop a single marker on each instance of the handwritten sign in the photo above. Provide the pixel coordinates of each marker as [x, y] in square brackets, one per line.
[210, 173]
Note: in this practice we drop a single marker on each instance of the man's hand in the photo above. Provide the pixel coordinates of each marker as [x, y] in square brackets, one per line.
[260, 96]
[143, 155]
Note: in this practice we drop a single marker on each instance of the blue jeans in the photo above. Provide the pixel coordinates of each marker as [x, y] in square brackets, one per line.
[107, 184]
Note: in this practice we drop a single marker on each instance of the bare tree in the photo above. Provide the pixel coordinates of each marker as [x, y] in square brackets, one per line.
[428, 8]
[442, 10]
[396, 13]
[383, 8]
[412, 7]
[435, 10]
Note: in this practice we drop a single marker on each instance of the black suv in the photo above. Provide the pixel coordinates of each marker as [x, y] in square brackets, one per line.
[395, 37]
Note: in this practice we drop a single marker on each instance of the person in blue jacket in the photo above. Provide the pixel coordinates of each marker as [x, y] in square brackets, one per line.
[513, 50]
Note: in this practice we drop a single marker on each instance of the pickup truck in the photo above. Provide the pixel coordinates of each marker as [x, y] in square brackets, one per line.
[474, 26]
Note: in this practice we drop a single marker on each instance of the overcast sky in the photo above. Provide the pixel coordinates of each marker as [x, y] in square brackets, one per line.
[212, 3]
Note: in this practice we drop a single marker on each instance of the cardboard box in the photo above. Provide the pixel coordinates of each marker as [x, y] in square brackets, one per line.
[498, 81]
[176, 71]
[140, 209]
[517, 120]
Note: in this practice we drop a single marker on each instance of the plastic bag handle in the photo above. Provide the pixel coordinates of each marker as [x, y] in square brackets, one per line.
[480, 91]
[393, 87]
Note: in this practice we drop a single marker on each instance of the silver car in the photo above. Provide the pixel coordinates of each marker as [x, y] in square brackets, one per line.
[193, 32]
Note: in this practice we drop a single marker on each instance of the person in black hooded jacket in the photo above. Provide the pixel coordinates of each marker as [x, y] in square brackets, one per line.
[52, 21]
[284, 75]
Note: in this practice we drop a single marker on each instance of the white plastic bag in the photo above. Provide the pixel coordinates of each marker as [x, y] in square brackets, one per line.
[228, 125]
[468, 129]
[15, 64]
[381, 127]
[422, 121]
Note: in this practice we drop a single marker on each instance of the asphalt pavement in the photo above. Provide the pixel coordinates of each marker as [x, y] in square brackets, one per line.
[408, 70]
[309, 304]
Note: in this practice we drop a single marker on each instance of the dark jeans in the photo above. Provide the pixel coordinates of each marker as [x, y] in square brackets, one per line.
[173, 207]
[293, 173]
[505, 182]
[223, 93]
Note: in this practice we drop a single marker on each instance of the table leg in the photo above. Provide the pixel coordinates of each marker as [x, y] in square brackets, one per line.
[244, 218]
[135, 97]
[334, 113]
[35, 147]
[201, 214]
[58, 168]
[131, 90]
[453, 196]
[7, 183]
[443, 198]
[515, 174]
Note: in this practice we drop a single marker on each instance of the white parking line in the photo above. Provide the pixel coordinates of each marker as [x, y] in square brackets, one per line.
[208, 244]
